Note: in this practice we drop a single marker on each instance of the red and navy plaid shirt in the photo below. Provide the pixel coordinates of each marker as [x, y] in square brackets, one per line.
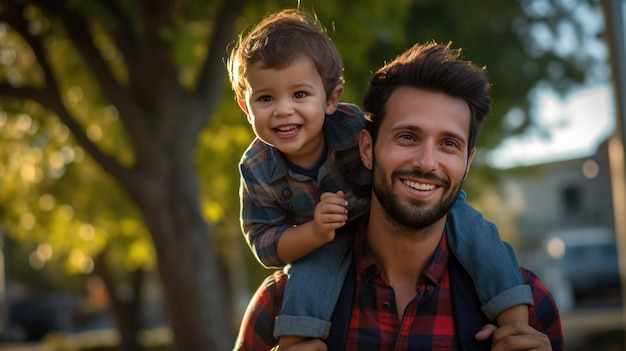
[375, 324]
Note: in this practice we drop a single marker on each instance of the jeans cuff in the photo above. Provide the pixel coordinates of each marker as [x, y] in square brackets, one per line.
[518, 295]
[301, 326]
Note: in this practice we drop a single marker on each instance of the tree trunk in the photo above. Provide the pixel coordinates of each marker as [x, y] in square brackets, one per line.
[187, 263]
[127, 313]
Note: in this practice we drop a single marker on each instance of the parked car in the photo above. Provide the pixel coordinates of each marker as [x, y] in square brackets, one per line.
[30, 319]
[580, 262]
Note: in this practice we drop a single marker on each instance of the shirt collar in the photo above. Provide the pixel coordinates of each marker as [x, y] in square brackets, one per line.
[338, 138]
[368, 269]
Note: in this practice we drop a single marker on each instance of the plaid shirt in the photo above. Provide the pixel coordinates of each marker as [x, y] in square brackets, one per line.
[428, 322]
[273, 197]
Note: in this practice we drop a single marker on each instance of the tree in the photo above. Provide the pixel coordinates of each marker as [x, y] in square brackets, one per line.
[161, 118]
[135, 84]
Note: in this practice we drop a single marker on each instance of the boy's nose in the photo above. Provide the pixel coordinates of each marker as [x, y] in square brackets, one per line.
[283, 107]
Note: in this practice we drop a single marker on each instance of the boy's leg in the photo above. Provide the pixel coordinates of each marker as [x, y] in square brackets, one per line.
[312, 290]
[490, 261]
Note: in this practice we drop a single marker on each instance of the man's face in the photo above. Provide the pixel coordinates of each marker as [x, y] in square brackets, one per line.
[420, 158]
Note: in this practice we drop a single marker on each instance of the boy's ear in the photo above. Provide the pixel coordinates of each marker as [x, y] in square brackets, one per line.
[242, 105]
[244, 108]
[333, 99]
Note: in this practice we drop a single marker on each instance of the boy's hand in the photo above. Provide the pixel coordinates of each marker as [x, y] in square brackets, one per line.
[330, 214]
[308, 345]
[515, 336]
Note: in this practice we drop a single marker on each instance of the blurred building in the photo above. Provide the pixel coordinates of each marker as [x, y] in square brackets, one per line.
[561, 195]
[564, 218]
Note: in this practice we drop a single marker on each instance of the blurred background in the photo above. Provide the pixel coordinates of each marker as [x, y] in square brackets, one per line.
[120, 138]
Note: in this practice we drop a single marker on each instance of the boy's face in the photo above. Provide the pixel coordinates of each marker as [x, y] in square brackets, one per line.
[286, 108]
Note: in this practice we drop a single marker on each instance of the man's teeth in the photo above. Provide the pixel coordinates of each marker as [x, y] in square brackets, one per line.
[286, 129]
[419, 186]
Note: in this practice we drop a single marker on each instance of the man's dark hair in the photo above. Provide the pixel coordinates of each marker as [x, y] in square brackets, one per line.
[434, 67]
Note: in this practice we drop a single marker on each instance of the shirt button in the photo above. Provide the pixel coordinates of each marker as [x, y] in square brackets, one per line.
[287, 192]
[430, 288]
[386, 306]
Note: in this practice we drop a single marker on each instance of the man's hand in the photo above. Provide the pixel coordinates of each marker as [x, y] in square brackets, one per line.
[515, 336]
[330, 214]
[307, 345]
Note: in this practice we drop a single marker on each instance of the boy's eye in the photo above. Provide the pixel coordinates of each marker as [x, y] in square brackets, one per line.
[299, 94]
[265, 98]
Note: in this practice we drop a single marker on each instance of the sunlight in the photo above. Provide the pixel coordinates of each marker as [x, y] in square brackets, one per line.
[576, 125]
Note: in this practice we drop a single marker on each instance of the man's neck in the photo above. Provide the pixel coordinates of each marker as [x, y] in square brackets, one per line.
[402, 253]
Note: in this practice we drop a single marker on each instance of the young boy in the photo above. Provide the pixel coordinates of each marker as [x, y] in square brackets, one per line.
[302, 179]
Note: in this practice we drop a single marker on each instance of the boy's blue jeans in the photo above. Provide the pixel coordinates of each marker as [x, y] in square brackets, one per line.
[313, 288]
[490, 261]
[315, 281]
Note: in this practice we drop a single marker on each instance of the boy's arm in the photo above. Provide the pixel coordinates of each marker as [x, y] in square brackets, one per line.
[260, 220]
[272, 239]
[298, 241]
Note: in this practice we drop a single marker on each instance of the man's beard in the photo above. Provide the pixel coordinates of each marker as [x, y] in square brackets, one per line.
[414, 215]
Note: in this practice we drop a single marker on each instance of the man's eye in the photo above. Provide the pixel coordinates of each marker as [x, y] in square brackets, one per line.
[450, 143]
[300, 94]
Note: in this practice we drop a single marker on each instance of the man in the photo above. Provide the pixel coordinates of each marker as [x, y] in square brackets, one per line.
[407, 291]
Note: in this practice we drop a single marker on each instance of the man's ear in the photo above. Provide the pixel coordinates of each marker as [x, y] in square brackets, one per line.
[366, 148]
[470, 157]
[333, 99]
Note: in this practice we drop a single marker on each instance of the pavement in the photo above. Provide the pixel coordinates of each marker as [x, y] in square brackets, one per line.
[585, 326]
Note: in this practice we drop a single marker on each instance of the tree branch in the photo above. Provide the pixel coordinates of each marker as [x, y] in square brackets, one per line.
[125, 37]
[122, 31]
[156, 52]
[49, 98]
[131, 115]
[212, 74]
[78, 31]
[12, 15]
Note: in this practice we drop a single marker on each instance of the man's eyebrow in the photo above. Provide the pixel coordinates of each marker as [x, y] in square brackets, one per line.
[410, 127]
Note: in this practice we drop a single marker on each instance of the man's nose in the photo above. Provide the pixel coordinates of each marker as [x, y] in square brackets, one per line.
[426, 157]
